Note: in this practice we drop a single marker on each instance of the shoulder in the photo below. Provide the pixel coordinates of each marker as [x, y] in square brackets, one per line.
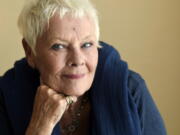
[7, 78]
[135, 80]
[138, 89]
[150, 118]
[5, 83]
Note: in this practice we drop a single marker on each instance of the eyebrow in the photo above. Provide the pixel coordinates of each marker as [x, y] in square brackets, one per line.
[66, 41]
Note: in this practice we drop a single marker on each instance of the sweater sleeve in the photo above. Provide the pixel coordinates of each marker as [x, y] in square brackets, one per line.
[5, 128]
[150, 118]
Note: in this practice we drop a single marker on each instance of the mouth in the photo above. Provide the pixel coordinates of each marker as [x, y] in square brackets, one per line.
[74, 76]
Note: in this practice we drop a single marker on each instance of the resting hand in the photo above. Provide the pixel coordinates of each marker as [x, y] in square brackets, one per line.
[49, 107]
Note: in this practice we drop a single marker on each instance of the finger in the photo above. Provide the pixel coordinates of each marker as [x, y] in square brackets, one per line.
[70, 99]
[45, 92]
[50, 92]
[74, 98]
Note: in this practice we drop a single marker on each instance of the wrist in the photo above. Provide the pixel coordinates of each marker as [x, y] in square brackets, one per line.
[33, 129]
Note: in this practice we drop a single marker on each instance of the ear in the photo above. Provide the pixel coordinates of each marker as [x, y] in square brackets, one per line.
[29, 53]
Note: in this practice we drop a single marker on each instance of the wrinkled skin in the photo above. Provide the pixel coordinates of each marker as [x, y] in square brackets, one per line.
[66, 57]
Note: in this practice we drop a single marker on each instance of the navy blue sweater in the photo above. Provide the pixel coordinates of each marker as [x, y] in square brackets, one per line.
[14, 122]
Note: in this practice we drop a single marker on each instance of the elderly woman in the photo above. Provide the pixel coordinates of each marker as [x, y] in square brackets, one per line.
[70, 83]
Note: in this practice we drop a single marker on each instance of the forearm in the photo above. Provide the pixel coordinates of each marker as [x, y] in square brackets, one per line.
[39, 129]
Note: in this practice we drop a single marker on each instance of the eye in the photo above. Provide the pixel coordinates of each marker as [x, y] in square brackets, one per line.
[57, 47]
[87, 45]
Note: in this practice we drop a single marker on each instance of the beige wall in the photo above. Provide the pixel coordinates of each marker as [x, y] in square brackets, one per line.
[146, 32]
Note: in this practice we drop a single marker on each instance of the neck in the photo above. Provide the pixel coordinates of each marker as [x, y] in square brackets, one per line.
[74, 114]
[72, 107]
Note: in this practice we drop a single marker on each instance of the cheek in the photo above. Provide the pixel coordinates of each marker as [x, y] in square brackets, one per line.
[93, 60]
[49, 65]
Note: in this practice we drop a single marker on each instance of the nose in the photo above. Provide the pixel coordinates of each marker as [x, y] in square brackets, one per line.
[76, 58]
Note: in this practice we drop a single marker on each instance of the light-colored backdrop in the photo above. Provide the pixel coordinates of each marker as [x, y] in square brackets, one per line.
[146, 32]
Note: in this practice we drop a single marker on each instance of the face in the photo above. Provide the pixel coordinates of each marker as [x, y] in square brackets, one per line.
[66, 54]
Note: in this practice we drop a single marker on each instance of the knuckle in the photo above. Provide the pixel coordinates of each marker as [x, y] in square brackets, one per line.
[42, 86]
[49, 91]
[54, 97]
[57, 99]
[60, 102]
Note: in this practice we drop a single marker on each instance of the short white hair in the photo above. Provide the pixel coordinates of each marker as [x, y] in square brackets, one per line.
[37, 13]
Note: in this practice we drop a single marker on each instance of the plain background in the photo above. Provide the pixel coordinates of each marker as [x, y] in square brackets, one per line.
[146, 32]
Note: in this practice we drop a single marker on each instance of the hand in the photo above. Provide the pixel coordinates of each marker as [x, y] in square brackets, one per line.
[49, 106]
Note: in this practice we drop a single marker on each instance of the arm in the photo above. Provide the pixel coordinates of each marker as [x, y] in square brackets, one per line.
[49, 107]
[151, 120]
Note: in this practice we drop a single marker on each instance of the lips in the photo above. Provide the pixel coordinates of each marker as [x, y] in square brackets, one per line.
[74, 76]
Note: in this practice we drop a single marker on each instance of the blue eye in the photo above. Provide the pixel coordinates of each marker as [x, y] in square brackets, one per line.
[87, 45]
[57, 47]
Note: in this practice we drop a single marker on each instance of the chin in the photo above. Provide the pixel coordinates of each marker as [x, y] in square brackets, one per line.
[75, 92]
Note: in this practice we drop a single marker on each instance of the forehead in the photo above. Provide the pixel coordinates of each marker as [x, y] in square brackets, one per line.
[66, 26]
